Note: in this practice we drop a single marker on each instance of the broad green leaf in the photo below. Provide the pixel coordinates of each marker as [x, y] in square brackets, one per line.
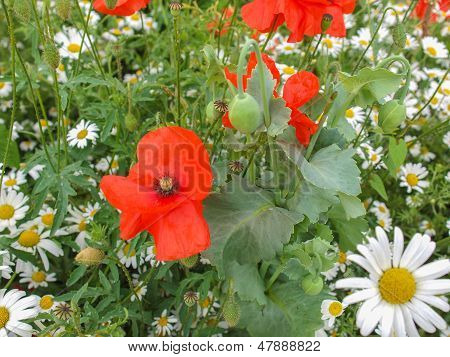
[312, 201]
[397, 151]
[255, 89]
[377, 184]
[333, 169]
[247, 282]
[246, 225]
[370, 85]
[350, 231]
[279, 115]
[288, 312]
[352, 205]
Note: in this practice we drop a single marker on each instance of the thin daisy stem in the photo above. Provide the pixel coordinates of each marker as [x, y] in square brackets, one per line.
[12, 43]
[13, 277]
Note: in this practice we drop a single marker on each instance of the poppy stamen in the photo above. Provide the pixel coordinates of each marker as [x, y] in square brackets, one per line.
[166, 186]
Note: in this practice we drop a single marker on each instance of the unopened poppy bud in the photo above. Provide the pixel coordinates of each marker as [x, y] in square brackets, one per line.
[90, 256]
[189, 262]
[391, 115]
[235, 166]
[51, 55]
[190, 298]
[231, 312]
[175, 8]
[399, 35]
[327, 19]
[63, 9]
[22, 10]
[131, 122]
[312, 285]
[110, 4]
[245, 113]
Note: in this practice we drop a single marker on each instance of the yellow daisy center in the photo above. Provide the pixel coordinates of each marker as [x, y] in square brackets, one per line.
[38, 277]
[374, 157]
[2, 85]
[29, 238]
[135, 17]
[4, 316]
[397, 286]
[205, 303]
[6, 211]
[46, 302]
[363, 42]
[381, 223]
[349, 113]
[412, 179]
[381, 209]
[61, 67]
[74, 47]
[82, 226]
[127, 252]
[133, 80]
[115, 164]
[432, 51]
[82, 134]
[328, 43]
[289, 70]
[342, 257]
[10, 182]
[47, 219]
[44, 122]
[335, 308]
[288, 48]
[163, 321]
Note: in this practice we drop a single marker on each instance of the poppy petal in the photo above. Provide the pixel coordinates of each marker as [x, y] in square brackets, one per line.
[122, 8]
[300, 88]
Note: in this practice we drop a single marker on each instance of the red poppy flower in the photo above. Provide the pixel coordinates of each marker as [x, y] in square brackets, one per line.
[225, 24]
[163, 193]
[122, 8]
[421, 9]
[302, 17]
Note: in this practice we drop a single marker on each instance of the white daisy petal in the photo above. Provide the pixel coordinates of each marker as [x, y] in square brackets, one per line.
[428, 313]
[387, 321]
[360, 296]
[434, 301]
[355, 283]
[399, 322]
[433, 270]
[411, 329]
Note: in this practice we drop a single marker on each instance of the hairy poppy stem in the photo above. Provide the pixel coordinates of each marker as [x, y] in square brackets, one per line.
[176, 25]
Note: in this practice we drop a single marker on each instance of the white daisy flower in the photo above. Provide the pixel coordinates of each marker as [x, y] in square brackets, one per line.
[35, 172]
[355, 115]
[285, 71]
[149, 255]
[150, 24]
[414, 201]
[45, 303]
[15, 307]
[127, 256]
[379, 209]
[46, 216]
[5, 89]
[385, 222]
[207, 305]
[13, 180]
[164, 324]
[331, 309]
[370, 156]
[31, 238]
[12, 208]
[426, 154]
[61, 73]
[70, 42]
[411, 43]
[27, 145]
[400, 289]
[108, 163]
[5, 270]
[90, 210]
[331, 45]
[287, 48]
[139, 289]
[83, 132]
[45, 124]
[36, 277]
[427, 227]
[412, 176]
[433, 48]
[78, 224]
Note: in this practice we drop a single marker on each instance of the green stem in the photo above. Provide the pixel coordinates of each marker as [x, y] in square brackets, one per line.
[11, 280]
[178, 64]
[275, 276]
[272, 30]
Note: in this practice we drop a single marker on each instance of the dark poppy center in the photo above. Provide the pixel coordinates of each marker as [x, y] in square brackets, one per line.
[166, 186]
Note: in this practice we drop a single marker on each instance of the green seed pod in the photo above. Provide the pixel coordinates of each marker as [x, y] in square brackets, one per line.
[327, 19]
[189, 262]
[312, 285]
[231, 312]
[22, 10]
[391, 115]
[190, 298]
[131, 122]
[245, 114]
[63, 9]
[110, 4]
[51, 55]
[210, 112]
[399, 35]
[175, 8]
[90, 256]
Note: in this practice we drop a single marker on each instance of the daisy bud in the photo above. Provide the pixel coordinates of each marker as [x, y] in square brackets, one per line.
[399, 35]
[51, 55]
[189, 262]
[63, 9]
[391, 115]
[190, 298]
[175, 8]
[90, 256]
[327, 19]
[22, 10]
[110, 4]
[245, 113]
[131, 122]
[231, 312]
[312, 285]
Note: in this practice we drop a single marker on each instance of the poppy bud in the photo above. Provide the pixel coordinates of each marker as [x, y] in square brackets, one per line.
[22, 10]
[245, 114]
[391, 115]
[327, 19]
[189, 262]
[63, 9]
[175, 8]
[51, 55]
[131, 122]
[90, 256]
[211, 113]
[190, 298]
[312, 285]
[399, 35]
[110, 4]
[235, 166]
[231, 312]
